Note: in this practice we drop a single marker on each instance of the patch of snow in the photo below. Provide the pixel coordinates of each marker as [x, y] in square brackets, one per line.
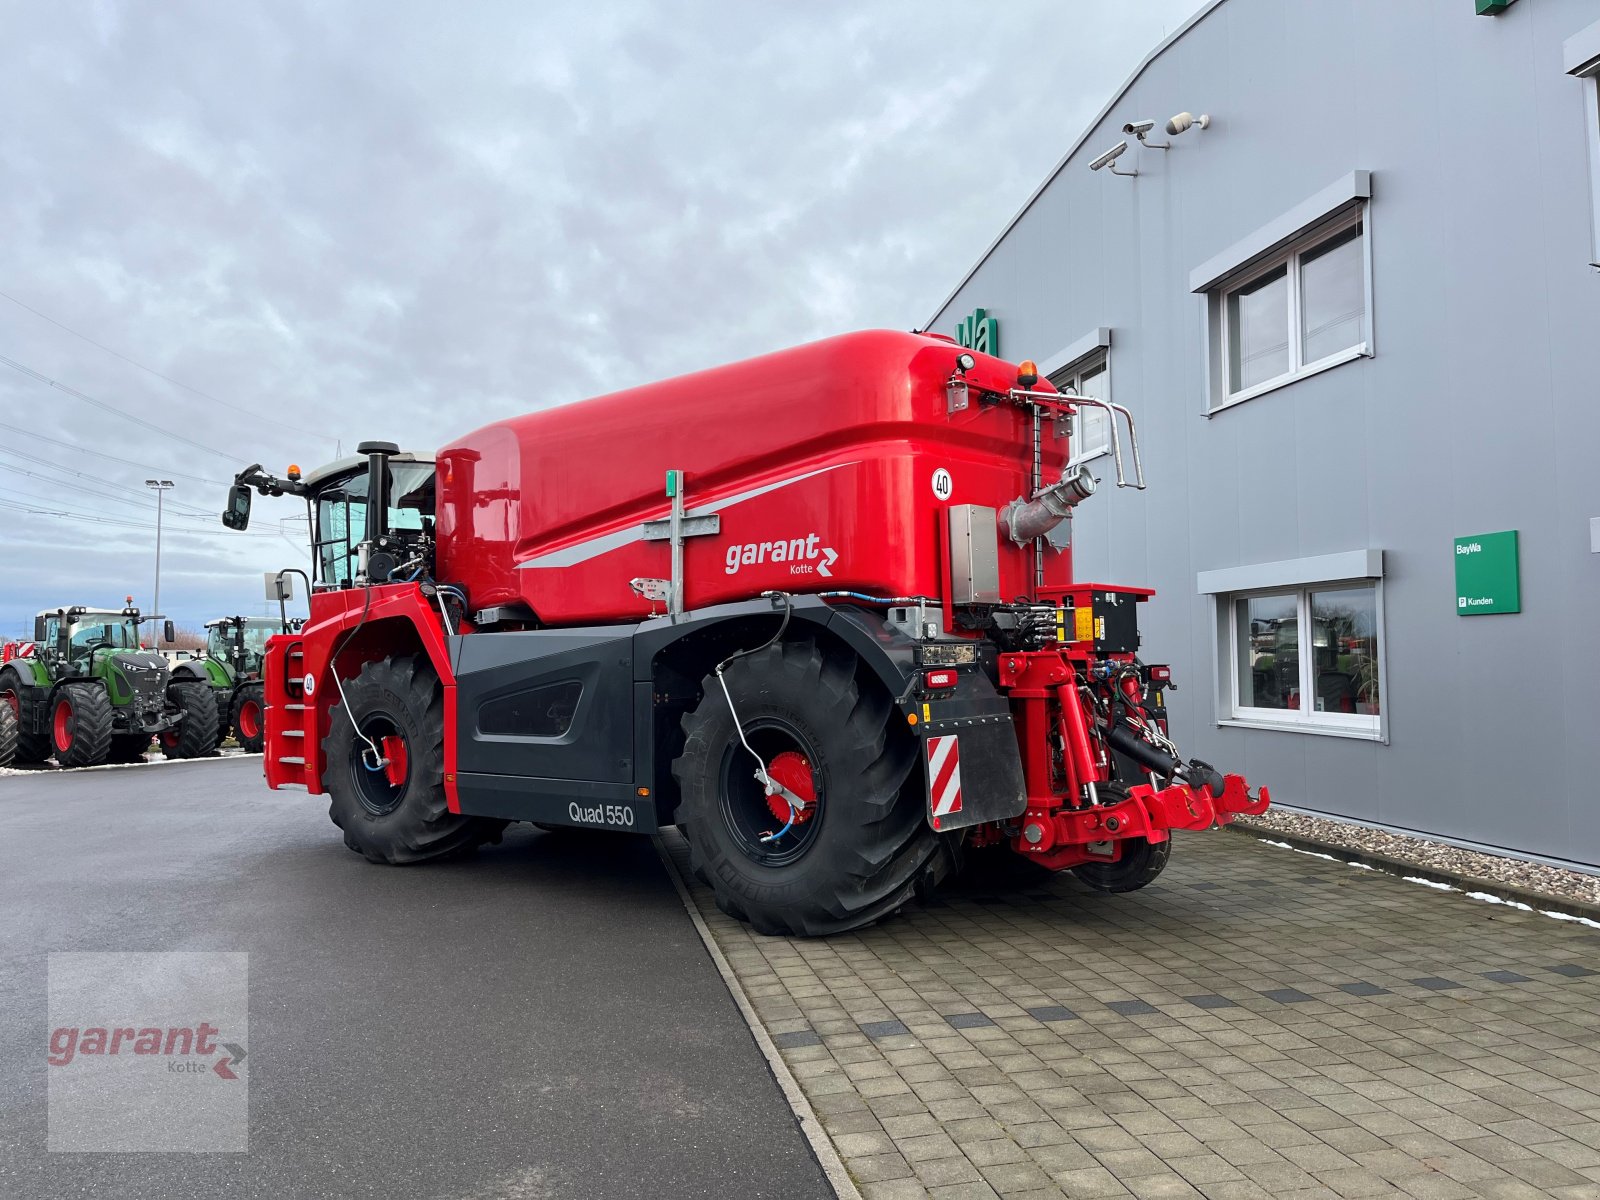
[1443, 887]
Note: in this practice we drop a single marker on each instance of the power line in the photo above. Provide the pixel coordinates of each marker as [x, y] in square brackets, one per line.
[164, 471]
[112, 409]
[132, 494]
[26, 507]
[152, 371]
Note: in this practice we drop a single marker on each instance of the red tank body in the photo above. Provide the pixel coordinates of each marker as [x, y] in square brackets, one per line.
[825, 463]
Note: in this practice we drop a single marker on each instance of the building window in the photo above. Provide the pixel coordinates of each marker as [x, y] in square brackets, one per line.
[1089, 376]
[1306, 657]
[1303, 311]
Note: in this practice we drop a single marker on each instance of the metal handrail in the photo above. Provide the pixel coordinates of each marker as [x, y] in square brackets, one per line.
[1069, 401]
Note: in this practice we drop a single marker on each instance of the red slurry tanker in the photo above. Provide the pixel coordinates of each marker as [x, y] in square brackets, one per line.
[817, 609]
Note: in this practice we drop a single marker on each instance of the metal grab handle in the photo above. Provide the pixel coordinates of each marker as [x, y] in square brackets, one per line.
[1062, 399]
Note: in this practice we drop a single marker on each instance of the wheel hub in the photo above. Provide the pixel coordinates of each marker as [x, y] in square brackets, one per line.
[792, 770]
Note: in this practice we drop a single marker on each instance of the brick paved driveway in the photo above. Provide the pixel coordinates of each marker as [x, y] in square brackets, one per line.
[1258, 1023]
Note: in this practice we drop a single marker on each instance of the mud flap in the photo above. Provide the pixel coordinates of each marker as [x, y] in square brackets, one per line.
[974, 773]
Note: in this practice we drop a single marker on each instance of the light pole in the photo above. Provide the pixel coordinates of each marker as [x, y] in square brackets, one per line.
[159, 486]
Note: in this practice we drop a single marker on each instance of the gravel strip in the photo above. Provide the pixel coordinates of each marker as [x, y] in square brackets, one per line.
[1435, 856]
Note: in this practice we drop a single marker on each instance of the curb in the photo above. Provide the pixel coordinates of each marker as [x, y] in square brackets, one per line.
[827, 1157]
[1541, 901]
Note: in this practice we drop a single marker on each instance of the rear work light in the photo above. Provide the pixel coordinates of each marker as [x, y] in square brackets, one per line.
[1161, 676]
[944, 678]
[947, 654]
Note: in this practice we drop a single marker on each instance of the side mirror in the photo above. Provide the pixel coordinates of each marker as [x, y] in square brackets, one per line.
[168, 634]
[38, 629]
[237, 514]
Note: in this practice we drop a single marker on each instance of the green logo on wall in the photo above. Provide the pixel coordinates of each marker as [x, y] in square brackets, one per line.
[980, 332]
[1487, 580]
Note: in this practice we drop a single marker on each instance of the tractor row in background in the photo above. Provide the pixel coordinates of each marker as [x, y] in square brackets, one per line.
[86, 691]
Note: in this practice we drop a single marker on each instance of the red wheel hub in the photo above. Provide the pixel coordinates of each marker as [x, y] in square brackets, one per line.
[793, 770]
[249, 718]
[168, 739]
[394, 749]
[61, 724]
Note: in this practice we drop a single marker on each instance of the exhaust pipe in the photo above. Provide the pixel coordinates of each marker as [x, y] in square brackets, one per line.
[1025, 520]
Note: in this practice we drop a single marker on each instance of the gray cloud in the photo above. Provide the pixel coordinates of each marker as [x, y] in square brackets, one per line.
[406, 220]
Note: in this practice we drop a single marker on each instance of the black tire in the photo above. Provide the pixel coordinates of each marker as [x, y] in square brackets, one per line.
[401, 817]
[1139, 864]
[8, 734]
[248, 718]
[860, 854]
[31, 747]
[80, 725]
[196, 734]
[128, 747]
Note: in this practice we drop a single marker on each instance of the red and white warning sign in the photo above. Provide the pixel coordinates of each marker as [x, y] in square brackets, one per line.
[944, 775]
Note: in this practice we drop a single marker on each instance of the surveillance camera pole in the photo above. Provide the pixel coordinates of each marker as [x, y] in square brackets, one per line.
[159, 486]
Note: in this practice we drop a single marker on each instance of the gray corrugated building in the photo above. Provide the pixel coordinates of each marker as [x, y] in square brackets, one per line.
[1357, 316]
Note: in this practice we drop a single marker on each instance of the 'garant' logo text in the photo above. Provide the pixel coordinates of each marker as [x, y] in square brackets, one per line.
[802, 555]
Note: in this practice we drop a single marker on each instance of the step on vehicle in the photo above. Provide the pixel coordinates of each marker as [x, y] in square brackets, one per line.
[817, 609]
[231, 666]
[88, 693]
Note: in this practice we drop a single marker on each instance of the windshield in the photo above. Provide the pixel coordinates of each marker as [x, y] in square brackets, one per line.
[95, 631]
[342, 515]
[220, 641]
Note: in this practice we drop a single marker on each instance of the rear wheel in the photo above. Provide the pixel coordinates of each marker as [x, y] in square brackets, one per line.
[249, 710]
[853, 850]
[128, 747]
[196, 735]
[1140, 862]
[392, 805]
[31, 747]
[80, 725]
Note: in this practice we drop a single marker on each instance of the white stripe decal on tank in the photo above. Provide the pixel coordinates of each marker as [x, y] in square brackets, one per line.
[578, 552]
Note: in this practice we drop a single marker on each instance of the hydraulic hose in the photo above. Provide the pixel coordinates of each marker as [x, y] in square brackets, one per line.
[1196, 774]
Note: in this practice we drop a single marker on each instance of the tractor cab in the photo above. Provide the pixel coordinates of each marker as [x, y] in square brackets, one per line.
[71, 637]
[239, 643]
[355, 541]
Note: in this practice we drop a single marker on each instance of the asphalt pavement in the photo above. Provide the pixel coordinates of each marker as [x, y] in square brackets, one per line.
[538, 1020]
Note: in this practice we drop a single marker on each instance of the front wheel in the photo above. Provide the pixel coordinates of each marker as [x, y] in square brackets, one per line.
[249, 727]
[80, 725]
[196, 734]
[855, 846]
[390, 801]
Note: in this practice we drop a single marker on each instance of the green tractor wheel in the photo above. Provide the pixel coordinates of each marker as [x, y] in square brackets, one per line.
[196, 735]
[80, 725]
[8, 734]
[249, 713]
[31, 747]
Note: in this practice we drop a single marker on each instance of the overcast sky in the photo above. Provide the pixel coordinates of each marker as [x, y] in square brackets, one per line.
[324, 223]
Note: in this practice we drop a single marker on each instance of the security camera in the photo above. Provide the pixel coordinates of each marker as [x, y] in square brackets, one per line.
[1185, 120]
[1109, 157]
[1141, 130]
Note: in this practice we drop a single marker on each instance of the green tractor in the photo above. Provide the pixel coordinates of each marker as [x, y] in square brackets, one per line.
[88, 693]
[231, 666]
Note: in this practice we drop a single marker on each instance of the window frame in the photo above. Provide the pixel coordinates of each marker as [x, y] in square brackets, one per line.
[1310, 241]
[1230, 688]
[1591, 105]
[1071, 373]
